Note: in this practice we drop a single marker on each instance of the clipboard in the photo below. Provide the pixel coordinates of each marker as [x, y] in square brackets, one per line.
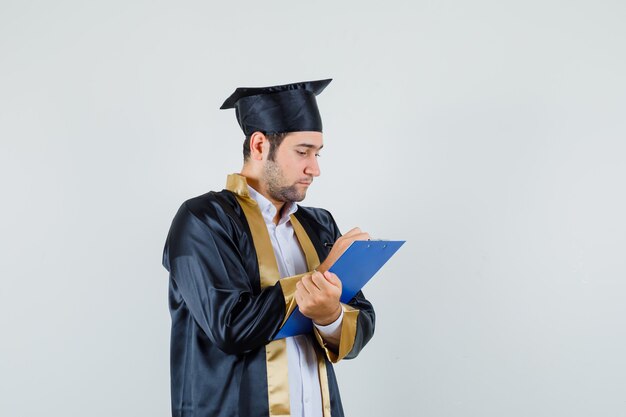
[356, 266]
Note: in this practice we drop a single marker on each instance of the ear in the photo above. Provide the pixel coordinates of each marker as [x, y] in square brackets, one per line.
[259, 145]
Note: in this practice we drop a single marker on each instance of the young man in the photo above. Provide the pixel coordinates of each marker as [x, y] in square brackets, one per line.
[241, 259]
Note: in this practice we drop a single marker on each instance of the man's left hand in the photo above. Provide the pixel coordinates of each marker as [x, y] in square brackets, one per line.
[318, 295]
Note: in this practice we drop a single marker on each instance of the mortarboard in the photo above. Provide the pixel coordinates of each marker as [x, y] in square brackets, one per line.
[278, 109]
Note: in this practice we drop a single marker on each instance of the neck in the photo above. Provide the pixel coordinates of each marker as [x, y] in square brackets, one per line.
[256, 183]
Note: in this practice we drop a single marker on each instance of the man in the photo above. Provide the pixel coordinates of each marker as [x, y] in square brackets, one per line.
[240, 260]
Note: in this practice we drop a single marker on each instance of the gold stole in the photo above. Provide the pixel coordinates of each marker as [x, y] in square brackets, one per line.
[276, 350]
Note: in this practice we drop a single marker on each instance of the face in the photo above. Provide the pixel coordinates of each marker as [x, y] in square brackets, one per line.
[295, 164]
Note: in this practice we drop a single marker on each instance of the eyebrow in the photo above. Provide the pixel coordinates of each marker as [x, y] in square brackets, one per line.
[308, 145]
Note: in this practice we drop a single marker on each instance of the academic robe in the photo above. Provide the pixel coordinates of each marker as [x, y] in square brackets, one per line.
[227, 302]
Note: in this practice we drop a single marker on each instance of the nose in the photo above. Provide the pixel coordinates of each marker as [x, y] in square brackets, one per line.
[313, 167]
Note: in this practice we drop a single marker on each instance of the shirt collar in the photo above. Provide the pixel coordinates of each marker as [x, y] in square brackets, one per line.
[269, 210]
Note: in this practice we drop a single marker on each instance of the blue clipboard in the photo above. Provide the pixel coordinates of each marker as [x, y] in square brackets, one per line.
[355, 268]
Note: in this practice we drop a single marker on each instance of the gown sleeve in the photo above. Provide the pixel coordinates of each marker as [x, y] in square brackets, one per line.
[207, 268]
[357, 327]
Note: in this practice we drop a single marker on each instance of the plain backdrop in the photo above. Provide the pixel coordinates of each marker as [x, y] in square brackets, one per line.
[488, 134]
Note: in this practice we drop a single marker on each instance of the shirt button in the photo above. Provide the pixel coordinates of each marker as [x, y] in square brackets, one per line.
[306, 400]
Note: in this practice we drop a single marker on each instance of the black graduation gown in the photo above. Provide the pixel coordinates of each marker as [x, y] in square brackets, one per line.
[222, 319]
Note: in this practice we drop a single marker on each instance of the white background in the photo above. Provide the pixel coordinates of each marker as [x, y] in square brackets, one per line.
[489, 134]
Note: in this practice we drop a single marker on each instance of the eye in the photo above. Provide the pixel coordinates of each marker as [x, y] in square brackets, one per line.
[301, 153]
[317, 155]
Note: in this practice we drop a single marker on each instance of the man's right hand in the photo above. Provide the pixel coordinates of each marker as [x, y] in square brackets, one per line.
[340, 246]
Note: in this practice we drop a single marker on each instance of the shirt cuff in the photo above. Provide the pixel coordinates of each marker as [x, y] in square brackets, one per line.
[331, 333]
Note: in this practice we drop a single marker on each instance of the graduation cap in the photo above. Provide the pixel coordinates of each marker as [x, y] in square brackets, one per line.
[278, 109]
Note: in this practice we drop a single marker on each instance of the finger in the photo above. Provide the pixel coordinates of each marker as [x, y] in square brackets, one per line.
[309, 286]
[302, 286]
[317, 279]
[356, 236]
[320, 281]
[300, 298]
[353, 231]
[362, 236]
[332, 279]
[340, 248]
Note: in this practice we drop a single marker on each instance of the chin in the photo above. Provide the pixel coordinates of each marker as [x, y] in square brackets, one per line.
[294, 198]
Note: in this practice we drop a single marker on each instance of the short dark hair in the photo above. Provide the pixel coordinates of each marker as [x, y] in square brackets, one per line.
[275, 140]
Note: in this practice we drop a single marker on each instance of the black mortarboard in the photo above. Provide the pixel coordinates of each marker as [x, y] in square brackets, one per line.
[278, 109]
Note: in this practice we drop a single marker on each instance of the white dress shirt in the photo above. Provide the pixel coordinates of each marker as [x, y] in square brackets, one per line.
[304, 386]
